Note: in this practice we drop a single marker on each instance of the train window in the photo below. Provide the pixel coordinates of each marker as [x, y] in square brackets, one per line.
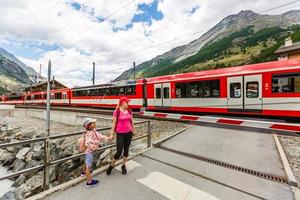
[57, 96]
[107, 91]
[114, 91]
[252, 90]
[157, 93]
[195, 89]
[181, 90]
[36, 96]
[121, 91]
[235, 90]
[130, 90]
[28, 97]
[166, 92]
[64, 96]
[99, 92]
[14, 97]
[289, 82]
[212, 88]
[93, 92]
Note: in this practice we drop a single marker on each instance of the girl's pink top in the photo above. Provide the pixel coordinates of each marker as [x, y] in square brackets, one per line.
[92, 140]
[124, 122]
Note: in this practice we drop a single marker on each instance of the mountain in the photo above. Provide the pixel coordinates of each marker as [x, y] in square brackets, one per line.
[178, 59]
[30, 71]
[12, 74]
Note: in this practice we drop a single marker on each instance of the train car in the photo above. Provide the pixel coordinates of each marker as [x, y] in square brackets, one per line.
[14, 99]
[108, 95]
[268, 89]
[57, 97]
[3, 99]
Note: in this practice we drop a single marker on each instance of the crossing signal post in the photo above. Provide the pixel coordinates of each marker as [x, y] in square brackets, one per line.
[133, 70]
[93, 73]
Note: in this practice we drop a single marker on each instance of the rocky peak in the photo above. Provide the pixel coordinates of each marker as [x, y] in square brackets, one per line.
[241, 16]
[293, 15]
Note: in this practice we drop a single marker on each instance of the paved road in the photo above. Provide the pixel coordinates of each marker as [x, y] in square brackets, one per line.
[160, 174]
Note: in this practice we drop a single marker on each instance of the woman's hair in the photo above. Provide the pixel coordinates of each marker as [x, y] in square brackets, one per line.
[118, 107]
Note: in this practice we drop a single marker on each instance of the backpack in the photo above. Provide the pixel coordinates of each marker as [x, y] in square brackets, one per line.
[81, 143]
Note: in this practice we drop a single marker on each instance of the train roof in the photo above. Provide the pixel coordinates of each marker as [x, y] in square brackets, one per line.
[112, 84]
[230, 71]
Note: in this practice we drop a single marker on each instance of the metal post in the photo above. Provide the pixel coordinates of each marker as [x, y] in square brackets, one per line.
[53, 83]
[93, 73]
[46, 181]
[133, 70]
[149, 142]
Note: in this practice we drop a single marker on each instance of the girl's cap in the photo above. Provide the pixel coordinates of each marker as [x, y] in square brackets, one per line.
[124, 99]
[87, 121]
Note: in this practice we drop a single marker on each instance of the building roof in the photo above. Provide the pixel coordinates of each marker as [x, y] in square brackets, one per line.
[42, 86]
[287, 49]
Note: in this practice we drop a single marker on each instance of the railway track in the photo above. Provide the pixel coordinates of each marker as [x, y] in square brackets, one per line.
[108, 111]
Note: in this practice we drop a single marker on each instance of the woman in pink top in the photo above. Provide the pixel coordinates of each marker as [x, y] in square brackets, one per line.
[124, 128]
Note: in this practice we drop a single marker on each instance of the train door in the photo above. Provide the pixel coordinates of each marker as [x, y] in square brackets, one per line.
[166, 90]
[235, 93]
[244, 93]
[162, 94]
[253, 92]
[157, 95]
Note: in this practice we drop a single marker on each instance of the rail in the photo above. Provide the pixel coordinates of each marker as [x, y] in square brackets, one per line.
[47, 162]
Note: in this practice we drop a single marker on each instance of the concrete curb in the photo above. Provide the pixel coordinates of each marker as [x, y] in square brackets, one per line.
[286, 166]
[76, 181]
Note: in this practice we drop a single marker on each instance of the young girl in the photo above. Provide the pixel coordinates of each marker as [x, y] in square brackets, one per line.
[124, 128]
[92, 140]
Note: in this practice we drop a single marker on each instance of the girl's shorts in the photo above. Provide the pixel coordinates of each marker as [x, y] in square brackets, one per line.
[89, 159]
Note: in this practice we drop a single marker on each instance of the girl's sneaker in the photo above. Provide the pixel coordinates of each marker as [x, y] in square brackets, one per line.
[92, 183]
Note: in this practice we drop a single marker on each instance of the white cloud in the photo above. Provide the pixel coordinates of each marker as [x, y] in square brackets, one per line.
[59, 23]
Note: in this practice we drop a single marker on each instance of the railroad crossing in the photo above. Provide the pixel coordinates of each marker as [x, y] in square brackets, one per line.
[198, 163]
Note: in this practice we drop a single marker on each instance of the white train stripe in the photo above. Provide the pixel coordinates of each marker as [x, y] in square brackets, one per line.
[288, 103]
[130, 165]
[105, 101]
[174, 189]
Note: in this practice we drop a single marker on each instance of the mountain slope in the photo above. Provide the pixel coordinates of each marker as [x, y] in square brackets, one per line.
[226, 27]
[12, 76]
[29, 71]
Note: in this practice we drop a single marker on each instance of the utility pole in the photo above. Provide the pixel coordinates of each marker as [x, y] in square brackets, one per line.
[40, 72]
[46, 181]
[133, 70]
[53, 83]
[93, 73]
[48, 100]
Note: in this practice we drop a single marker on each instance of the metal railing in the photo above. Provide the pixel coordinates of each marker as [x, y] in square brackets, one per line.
[47, 162]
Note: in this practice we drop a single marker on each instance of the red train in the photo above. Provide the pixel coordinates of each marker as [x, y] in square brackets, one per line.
[267, 89]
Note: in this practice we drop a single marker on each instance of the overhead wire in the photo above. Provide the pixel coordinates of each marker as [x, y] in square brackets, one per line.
[37, 21]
